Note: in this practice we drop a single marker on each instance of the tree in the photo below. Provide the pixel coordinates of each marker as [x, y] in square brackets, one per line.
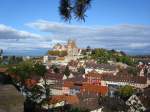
[55, 68]
[41, 70]
[133, 70]
[1, 60]
[74, 8]
[112, 104]
[81, 70]
[14, 60]
[76, 109]
[67, 71]
[126, 91]
[22, 72]
[1, 52]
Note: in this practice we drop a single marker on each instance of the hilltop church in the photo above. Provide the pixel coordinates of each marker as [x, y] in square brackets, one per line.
[73, 51]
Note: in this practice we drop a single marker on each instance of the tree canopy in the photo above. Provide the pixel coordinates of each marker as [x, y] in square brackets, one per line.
[67, 71]
[103, 55]
[58, 53]
[69, 9]
[25, 71]
[126, 91]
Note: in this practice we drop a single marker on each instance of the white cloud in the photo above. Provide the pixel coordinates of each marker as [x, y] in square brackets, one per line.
[124, 30]
[7, 32]
[127, 37]
[122, 37]
[139, 45]
[26, 44]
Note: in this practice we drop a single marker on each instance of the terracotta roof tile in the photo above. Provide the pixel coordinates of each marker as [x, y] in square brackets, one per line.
[54, 76]
[95, 88]
[73, 63]
[2, 70]
[124, 78]
[100, 66]
[69, 99]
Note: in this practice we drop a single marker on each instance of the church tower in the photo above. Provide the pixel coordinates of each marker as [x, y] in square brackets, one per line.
[72, 50]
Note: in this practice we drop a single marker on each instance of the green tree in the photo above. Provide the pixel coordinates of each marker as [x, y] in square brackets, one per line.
[112, 104]
[74, 8]
[81, 70]
[1, 60]
[67, 71]
[133, 70]
[76, 109]
[15, 60]
[1, 52]
[103, 55]
[22, 70]
[41, 70]
[126, 91]
[55, 68]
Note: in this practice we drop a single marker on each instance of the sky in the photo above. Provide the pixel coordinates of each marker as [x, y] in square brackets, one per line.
[31, 27]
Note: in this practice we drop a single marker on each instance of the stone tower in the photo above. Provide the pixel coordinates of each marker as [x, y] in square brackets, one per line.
[72, 50]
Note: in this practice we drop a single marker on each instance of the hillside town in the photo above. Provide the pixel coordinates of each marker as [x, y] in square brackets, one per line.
[72, 79]
[74, 55]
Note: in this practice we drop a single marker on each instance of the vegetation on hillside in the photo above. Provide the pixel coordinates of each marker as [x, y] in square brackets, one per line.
[125, 91]
[58, 53]
[103, 56]
[133, 70]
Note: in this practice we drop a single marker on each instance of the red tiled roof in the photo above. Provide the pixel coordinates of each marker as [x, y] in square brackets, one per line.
[95, 88]
[68, 84]
[124, 78]
[2, 70]
[73, 63]
[100, 66]
[77, 78]
[120, 77]
[30, 83]
[93, 73]
[84, 86]
[54, 76]
[70, 99]
[14, 76]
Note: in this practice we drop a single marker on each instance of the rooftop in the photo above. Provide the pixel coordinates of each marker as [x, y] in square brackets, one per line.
[69, 99]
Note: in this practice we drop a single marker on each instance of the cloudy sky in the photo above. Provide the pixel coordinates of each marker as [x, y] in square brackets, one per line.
[31, 27]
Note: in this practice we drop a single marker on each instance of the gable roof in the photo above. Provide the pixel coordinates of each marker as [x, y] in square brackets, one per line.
[54, 76]
[124, 78]
[95, 88]
[73, 63]
[2, 70]
[93, 73]
[100, 66]
[78, 78]
[69, 99]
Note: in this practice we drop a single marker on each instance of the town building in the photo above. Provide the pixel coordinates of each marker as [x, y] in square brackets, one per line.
[118, 80]
[73, 52]
[100, 68]
[81, 84]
